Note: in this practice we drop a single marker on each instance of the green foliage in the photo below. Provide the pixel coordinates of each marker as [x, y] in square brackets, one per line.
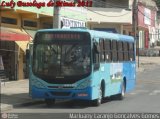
[158, 5]
[158, 43]
[158, 2]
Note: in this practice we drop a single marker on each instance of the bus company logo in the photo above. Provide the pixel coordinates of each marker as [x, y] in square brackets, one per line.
[9, 116]
[4, 115]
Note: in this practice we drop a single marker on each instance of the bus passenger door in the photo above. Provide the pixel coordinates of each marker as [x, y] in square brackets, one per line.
[96, 59]
[96, 55]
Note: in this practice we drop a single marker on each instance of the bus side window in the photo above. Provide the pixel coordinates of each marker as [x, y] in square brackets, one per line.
[108, 53]
[120, 51]
[102, 50]
[96, 56]
[131, 52]
[114, 51]
[125, 47]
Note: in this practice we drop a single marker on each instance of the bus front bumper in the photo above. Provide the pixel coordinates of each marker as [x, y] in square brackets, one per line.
[84, 94]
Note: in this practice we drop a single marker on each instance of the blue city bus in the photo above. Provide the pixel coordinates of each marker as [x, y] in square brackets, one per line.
[80, 64]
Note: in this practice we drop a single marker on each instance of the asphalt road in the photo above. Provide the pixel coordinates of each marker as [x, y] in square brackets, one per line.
[144, 99]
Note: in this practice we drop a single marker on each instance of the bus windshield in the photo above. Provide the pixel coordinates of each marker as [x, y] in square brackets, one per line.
[61, 58]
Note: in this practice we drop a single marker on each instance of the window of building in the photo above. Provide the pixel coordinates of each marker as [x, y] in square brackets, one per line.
[47, 25]
[29, 23]
[124, 32]
[130, 34]
[8, 20]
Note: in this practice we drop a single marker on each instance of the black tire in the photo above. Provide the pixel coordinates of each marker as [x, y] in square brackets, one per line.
[98, 101]
[122, 94]
[49, 102]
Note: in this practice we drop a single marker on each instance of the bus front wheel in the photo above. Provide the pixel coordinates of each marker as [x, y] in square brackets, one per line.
[50, 102]
[98, 101]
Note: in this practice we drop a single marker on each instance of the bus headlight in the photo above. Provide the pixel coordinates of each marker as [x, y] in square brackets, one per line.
[84, 84]
[37, 84]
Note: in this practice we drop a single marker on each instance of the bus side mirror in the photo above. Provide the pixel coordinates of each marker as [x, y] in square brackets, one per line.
[27, 54]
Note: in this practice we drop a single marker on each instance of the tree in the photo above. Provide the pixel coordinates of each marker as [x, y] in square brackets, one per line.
[158, 3]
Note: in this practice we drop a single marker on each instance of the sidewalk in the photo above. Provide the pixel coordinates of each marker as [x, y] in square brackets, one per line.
[146, 63]
[15, 93]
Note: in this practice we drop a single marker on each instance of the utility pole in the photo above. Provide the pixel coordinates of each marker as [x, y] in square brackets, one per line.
[135, 26]
[134, 18]
[56, 16]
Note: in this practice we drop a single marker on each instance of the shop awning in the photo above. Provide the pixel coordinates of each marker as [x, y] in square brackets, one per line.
[30, 32]
[13, 34]
[22, 44]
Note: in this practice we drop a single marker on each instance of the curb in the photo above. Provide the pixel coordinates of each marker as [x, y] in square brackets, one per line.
[29, 103]
[138, 70]
[7, 107]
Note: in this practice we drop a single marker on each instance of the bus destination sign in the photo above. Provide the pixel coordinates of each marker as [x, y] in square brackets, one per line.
[62, 36]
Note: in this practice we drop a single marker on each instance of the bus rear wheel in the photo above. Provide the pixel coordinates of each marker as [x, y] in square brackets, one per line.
[122, 94]
[98, 101]
[49, 102]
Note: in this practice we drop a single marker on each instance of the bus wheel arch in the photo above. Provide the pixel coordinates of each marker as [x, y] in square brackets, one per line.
[121, 95]
[101, 93]
[125, 82]
[103, 88]
[123, 89]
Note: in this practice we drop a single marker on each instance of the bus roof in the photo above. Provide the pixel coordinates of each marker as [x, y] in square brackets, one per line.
[94, 34]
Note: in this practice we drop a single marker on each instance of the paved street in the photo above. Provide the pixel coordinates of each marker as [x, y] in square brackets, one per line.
[84, 49]
[145, 98]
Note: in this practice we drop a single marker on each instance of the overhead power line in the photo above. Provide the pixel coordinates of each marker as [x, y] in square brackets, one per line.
[146, 16]
[107, 15]
[106, 4]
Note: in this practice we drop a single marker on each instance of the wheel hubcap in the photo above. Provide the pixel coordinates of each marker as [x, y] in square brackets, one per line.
[100, 95]
[123, 92]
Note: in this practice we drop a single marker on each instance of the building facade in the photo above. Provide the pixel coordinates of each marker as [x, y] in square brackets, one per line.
[117, 16]
[18, 27]
[147, 23]
[111, 16]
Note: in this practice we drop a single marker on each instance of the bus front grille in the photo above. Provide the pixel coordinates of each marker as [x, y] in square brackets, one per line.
[65, 87]
[60, 93]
